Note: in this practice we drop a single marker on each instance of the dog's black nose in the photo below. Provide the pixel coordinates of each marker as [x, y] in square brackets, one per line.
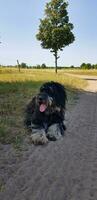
[42, 97]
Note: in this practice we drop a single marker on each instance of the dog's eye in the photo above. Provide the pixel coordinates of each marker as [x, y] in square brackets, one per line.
[42, 89]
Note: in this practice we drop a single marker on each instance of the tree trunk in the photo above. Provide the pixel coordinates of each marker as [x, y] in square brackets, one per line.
[56, 62]
[18, 65]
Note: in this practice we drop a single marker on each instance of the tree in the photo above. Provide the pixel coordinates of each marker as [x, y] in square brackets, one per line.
[72, 66]
[89, 66]
[55, 31]
[86, 66]
[18, 65]
[95, 66]
[23, 65]
[43, 66]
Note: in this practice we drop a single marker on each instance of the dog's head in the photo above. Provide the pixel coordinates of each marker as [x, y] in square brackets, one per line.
[52, 96]
[50, 100]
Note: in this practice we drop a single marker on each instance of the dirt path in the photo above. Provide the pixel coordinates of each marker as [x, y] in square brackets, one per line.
[92, 81]
[62, 170]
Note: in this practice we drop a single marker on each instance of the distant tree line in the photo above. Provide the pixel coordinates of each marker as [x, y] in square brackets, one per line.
[88, 66]
[44, 66]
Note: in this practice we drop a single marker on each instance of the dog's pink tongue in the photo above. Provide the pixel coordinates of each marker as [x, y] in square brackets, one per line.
[42, 107]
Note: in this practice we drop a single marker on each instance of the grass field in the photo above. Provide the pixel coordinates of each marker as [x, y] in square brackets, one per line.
[16, 89]
[91, 72]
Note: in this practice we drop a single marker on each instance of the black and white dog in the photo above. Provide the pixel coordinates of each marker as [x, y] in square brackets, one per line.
[45, 113]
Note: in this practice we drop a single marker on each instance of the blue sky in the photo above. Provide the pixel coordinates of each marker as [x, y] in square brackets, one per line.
[19, 21]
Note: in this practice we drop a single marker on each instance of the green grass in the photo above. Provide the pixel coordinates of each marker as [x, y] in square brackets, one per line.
[16, 89]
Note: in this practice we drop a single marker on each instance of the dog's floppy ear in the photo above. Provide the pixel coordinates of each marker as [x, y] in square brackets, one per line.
[29, 111]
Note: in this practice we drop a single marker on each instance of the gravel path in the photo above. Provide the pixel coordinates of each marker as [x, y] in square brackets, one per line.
[62, 170]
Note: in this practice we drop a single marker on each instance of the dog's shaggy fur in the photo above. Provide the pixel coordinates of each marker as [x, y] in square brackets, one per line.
[46, 110]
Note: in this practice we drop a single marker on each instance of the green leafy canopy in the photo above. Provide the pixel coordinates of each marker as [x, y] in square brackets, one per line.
[55, 29]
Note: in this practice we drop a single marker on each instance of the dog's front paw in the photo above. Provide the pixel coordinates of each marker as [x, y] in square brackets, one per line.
[39, 139]
[54, 132]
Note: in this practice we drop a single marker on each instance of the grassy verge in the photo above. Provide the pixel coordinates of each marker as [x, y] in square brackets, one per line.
[16, 89]
[91, 72]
